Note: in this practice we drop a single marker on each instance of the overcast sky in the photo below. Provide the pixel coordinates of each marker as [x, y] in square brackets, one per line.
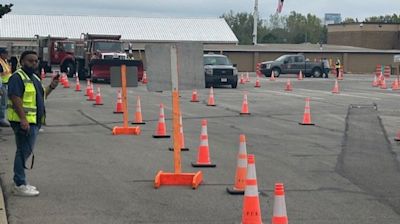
[203, 8]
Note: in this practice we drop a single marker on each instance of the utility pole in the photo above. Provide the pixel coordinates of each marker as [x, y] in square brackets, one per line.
[255, 16]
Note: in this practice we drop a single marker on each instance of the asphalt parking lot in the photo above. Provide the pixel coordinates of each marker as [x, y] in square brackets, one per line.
[345, 169]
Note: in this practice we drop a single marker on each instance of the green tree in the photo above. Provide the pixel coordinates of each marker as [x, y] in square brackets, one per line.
[4, 9]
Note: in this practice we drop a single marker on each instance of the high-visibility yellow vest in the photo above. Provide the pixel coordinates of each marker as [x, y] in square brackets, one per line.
[337, 64]
[28, 100]
[6, 74]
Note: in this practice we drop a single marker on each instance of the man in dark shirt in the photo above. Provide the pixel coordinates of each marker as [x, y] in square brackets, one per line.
[26, 115]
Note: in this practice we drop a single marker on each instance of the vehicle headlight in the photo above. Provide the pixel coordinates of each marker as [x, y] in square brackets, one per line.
[268, 66]
[235, 71]
[209, 71]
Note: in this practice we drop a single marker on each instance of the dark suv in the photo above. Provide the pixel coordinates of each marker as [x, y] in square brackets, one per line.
[218, 70]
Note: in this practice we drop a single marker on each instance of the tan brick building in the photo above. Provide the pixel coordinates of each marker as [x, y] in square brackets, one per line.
[367, 35]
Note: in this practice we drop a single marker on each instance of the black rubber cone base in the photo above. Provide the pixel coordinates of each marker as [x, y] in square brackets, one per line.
[138, 122]
[231, 190]
[306, 124]
[161, 136]
[116, 112]
[245, 114]
[203, 165]
[182, 149]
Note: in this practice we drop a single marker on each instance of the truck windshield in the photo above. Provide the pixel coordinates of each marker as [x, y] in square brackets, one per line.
[216, 61]
[68, 46]
[281, 58]
[108, 46]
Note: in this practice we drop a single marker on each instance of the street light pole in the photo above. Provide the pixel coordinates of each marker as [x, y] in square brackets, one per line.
[255, 23]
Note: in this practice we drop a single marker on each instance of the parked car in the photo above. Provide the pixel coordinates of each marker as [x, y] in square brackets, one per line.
[218, 70]
[292, 64]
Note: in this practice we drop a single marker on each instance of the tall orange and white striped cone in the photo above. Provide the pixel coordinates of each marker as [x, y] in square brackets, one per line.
[300, 76]
[183, 147]
[203, 156]
[272, 77]
[194, 96]
[42, 74]
[375, 82]
[99, 99]
[247, 77]
[77, 85]
[288, 86]
[258, 84]
[87, 87]
[245, 106]
[242, 81]
[335, 89]
[138, 113]
[161, 131]
[91, 96]
[241, 169]
[397, 138]
[307, 113]
[251, 203]
[144, 78]
[211, 99]
[279, 213]
[119, 107]
[383, 84]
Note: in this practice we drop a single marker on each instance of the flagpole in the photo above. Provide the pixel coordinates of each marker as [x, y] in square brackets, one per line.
[255, 23]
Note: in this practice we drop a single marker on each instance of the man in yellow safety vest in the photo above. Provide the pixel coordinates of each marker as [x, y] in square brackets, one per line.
[5, 73]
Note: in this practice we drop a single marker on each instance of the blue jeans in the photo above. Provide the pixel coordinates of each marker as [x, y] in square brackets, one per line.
[3, 102]
[25, 143]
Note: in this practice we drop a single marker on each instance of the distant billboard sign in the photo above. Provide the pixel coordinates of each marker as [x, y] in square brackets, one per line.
[333, 18]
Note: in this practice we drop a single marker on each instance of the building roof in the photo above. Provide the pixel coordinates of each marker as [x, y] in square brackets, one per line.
[207, 30]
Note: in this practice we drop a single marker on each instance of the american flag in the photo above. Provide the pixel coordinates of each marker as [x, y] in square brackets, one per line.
[280, 6]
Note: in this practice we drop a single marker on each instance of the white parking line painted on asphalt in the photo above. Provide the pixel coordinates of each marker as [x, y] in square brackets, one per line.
[341, 94]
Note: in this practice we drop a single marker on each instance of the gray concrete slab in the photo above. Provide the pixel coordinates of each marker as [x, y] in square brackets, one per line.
[86, 175]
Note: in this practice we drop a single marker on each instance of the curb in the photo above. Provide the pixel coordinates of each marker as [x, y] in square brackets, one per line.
[3, 216]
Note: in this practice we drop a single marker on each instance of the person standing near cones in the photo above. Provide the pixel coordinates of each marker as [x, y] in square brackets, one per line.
[326, 67]
[337, 66]
[26, 112]
[5, 73]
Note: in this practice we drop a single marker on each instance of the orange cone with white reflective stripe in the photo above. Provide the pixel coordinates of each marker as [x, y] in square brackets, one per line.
[245, 106]
[138, 113]
[251, 203]
[288, 86]
[119, 107]
[91, 96]
[300, 76]
[258, 84]
[335, 89]
[242, 81]
[211, 100]
[194, 96]
[395, 84]
[161, 131]
[383, 84]
[375, 82]
[203, 156]
[247, 77]
[87, 87]
[241, 169]
[144, 78]
[279, 213]
[77, 85]
[272, 77]
[66, 82]
[99, 99]
[183, 147]
[307, 113]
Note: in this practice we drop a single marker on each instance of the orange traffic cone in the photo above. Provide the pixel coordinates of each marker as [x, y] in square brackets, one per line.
[183, 147]
[66, 82]
[375, 82]
[211, 100]
[242, 81]
[91, 96]
[288, 86]
[62, 79]
[241, 169]
[340, 76]
[99, 99]
[335, 89]
[279, 213]
[300, 76]
[307, 113]
[194, 96]
[257, 85]
[203, 156]
[138, 114]
[77, 85]
[87, 87]
[144, 79]
[245, 106]
[119, 108]
[272, 78]
[247, 77]
[251, 203]
[397, 138]
[395, 84]
[161, 131]
[380, 79]
[383, 84]
[42, 74]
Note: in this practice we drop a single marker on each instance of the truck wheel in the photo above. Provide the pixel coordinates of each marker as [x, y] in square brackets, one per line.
[234, 85]
[317, 73]
[276, 71]
[68, 66]
[208, 85]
